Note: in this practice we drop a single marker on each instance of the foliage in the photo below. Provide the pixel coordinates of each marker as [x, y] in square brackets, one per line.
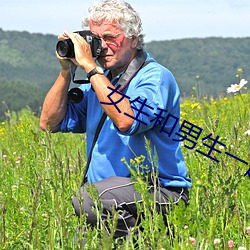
[28, 58]
[210, 61]
[14, 95]
[28, 68]
[40, 172]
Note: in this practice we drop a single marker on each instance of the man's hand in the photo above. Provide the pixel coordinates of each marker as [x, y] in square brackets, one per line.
[83, 54]
[66, 63]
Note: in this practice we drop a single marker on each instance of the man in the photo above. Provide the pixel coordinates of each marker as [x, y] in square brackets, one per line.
[141, 100]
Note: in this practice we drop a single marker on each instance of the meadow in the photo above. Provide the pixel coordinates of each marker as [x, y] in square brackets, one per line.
[40, 172]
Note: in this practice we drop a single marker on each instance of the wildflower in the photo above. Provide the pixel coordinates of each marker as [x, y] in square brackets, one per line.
[242, 248]
[247, 132]
[192, 240]
[237, 87]
[240, 70]
[137, 159]
[195, 105]
[248, 230]
[22, 210]
[14, 188]
[132, 162]
[198, 182]
[230, 244]
[45, 216]
[216, 241]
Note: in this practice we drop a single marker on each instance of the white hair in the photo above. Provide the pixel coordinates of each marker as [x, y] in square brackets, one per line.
[120, 13]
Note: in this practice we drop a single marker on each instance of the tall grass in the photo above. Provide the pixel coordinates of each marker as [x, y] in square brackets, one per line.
[40, 172]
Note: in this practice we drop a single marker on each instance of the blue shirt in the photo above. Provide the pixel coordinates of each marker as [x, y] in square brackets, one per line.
[156, 86]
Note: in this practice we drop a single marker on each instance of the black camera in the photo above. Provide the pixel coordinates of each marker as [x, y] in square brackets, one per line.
[65, 48]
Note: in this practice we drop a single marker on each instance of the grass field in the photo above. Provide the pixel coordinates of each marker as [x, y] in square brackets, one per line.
[40, 172]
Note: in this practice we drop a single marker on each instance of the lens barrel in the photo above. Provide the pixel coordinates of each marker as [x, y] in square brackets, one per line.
[65, 48]
[75, 95]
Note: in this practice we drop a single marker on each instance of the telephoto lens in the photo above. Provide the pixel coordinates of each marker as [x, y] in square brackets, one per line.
[65, 48]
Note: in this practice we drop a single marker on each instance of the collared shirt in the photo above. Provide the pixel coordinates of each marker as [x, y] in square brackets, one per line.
[155, 86]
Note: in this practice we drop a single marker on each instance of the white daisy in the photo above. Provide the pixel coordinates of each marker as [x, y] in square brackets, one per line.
[237, 87]
[247, 132]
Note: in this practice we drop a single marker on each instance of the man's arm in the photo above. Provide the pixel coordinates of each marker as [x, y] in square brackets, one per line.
[55, 103]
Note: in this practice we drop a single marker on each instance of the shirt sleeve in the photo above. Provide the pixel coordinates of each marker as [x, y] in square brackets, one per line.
[154, 94]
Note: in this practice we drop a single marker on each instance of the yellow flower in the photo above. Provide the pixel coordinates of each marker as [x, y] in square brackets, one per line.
[240, 70]
[183, 113]
[195, 105]
[132, 162]
[138, 160]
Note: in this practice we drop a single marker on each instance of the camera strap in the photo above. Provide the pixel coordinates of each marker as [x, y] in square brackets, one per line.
[136, 64]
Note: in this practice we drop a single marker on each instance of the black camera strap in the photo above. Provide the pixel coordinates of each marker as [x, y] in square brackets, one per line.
[136, 64]
[97, 132]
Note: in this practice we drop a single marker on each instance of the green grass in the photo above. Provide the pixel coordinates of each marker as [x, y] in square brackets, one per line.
[40, 172]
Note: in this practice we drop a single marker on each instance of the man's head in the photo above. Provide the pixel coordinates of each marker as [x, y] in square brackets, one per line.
[119, 13]
[120, 28]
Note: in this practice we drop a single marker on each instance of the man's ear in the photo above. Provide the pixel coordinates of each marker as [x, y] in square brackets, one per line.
[134, 42]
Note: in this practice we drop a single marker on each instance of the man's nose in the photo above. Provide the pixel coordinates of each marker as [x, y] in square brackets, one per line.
[104, 44]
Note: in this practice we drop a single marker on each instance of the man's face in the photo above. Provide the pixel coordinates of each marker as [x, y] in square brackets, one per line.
[118, 50]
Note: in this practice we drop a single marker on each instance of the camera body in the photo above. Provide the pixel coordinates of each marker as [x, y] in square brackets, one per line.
[65, 48]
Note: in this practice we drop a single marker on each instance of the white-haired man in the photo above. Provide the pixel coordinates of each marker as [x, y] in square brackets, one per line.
[140, 98]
